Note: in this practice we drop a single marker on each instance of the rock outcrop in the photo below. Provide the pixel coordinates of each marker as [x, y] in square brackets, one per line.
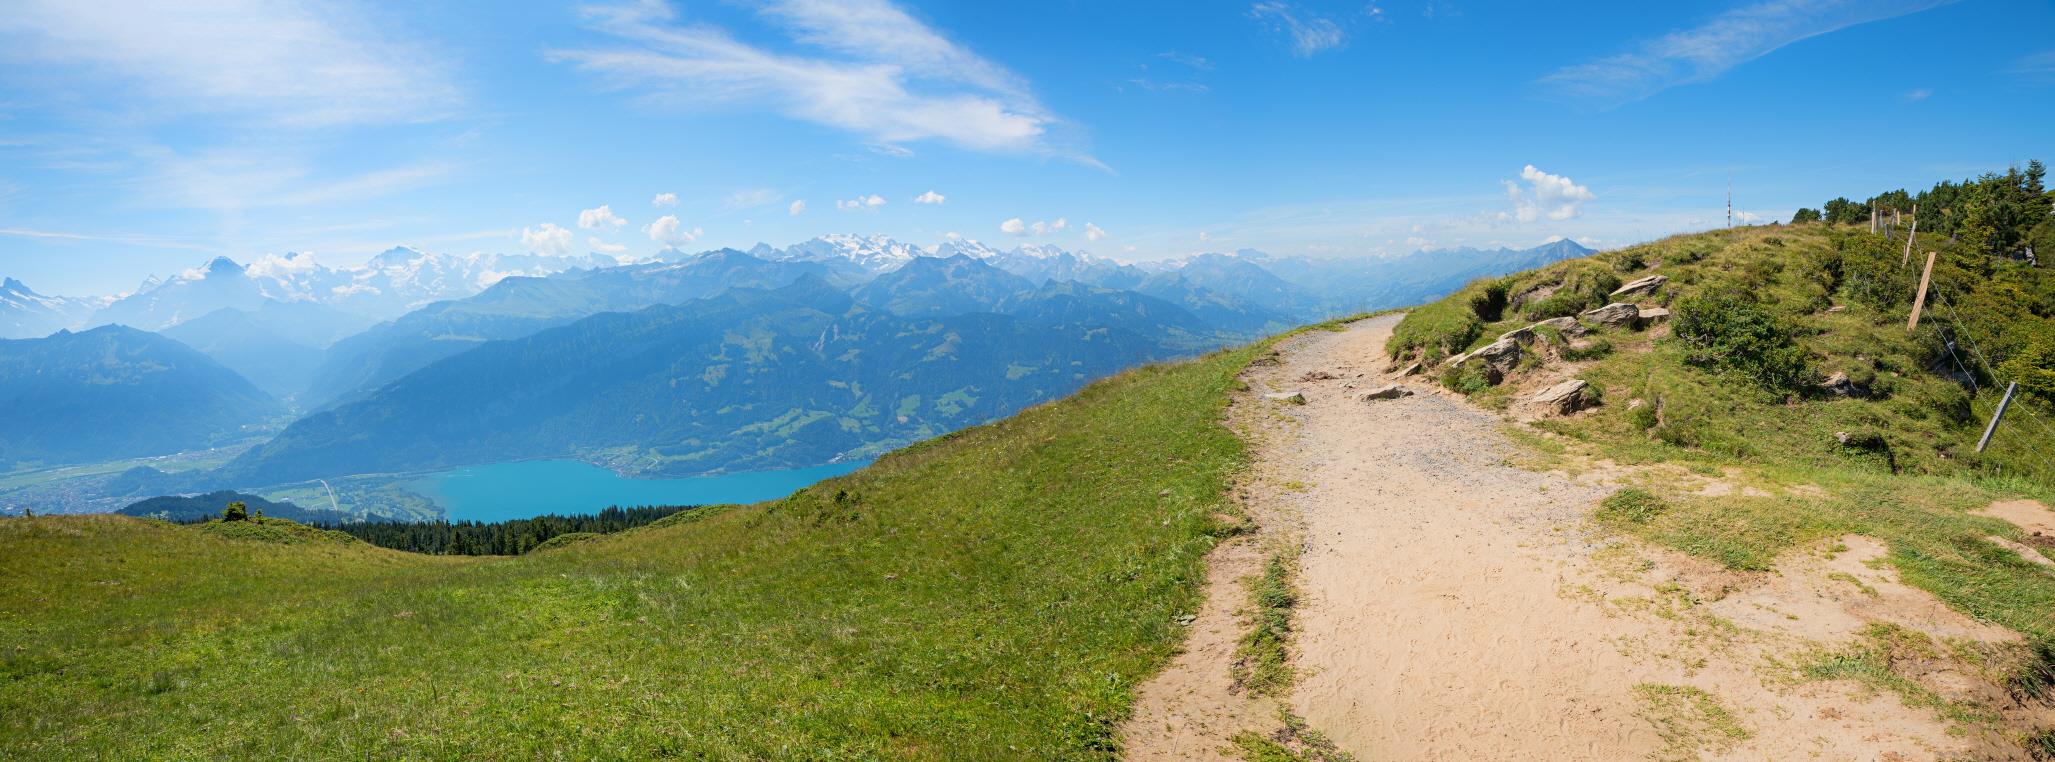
[1615, 315]
[1641, 287]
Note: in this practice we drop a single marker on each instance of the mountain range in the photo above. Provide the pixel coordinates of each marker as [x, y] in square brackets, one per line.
[836, 348]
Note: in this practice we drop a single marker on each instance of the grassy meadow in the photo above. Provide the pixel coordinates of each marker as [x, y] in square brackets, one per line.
[990, 594]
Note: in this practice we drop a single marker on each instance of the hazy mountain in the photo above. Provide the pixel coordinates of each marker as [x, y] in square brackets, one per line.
[277, 346]
[117, 392]
[1046, 263]
[519, 306]
[209, 505]
[748, 379]
[1244, 281]
[934, 286]
[25, 314]
[1356, 284]
[391, 283]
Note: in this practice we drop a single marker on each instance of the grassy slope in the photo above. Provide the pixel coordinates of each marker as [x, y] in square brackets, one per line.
[1715, 421]
[993, 593]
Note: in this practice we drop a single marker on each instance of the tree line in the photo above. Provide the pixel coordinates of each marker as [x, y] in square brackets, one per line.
[497, 538]
[1999, 213]
[472, 538]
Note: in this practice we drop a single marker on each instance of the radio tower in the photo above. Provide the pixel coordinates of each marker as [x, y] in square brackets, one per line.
[1730, 201]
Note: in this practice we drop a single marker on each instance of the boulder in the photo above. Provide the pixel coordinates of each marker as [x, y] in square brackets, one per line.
[1519, 335]
[1564, 398]
[1295, 398]
[1385, 392]
[1653, 315]
[1615, 315]
[1566, 325]
[1641, 287]
[1500, 356]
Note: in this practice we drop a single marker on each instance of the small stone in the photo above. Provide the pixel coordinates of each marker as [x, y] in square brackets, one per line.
[1641, 286]
[1317, 375]
[1294, 398]
[1653, 315]
[1385, 392]
[1837, 308]
[1410, 370]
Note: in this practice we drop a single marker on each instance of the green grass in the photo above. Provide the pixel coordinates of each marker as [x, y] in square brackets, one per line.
[1688, 720]
[1262, 663]
[991, 594]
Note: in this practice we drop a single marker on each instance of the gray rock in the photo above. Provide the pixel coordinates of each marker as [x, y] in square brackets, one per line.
[1615, 315]
[1500, 356]
[1653, 315]
[1838, 384]
[1564, 398]
[1410, 370]
[1520, 335]
[1566, 325]
[1294, 398]
[1385, 392]
[1641, 286]
[1837, 308]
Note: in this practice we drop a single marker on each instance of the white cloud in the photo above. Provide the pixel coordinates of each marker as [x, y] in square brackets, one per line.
[601, 218]
[1016, 226]
[547, 239]
[667, 230]
[664, 199]
[1546, 195]
[281, 62]
[796, 207]
[1094, 233]
[1310, 33]
[885, 75]
[861, 203]
[753, 198]
[1917, 95]
[929, 197]
[604, 247]
[1705, 52]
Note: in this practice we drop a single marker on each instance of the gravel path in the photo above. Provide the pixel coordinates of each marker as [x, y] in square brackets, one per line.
[1454, 607]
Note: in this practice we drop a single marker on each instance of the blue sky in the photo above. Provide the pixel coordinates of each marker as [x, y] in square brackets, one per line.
[136, 141]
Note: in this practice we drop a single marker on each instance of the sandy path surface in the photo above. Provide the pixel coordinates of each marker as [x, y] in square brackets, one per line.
[1454, 607]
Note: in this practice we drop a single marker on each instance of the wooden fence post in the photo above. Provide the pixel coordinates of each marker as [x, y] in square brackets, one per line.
[1996, 416]
[1909, 238]
[1919, 301]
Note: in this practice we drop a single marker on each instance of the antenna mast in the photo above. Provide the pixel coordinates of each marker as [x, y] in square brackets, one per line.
[1730, 201]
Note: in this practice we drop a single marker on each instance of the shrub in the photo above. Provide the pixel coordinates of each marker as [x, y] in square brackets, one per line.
[1447, 327]
[1727, 331]
[235, 511]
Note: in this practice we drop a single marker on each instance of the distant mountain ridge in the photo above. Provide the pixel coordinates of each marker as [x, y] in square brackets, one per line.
[116, 392]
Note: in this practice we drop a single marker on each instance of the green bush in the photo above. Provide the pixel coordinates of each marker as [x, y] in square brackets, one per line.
[1724, 330]
[1439, 329]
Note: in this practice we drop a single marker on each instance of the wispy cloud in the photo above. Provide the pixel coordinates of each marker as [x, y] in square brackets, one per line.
[150, 241]
[1705, 52]
[2038, 68]
[1310, 32]
[285, 62]
[871, 69]
[229, 181]
[1196, 62]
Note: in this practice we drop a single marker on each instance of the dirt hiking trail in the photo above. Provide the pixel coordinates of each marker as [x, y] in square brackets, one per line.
[1453, 606]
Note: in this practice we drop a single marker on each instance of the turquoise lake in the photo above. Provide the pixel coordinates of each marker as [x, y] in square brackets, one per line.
[532, 488]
